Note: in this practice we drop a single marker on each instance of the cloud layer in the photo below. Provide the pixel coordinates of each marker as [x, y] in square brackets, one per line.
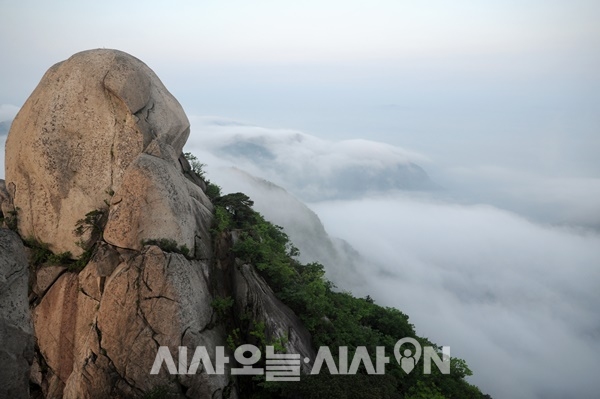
[515, 294]
[517, 300]
[313, 168]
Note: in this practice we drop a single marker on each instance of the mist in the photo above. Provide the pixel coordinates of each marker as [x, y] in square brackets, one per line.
[500, 263]
[517, 300]
[498, 260]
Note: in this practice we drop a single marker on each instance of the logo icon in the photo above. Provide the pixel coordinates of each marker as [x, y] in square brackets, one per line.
[407, 360]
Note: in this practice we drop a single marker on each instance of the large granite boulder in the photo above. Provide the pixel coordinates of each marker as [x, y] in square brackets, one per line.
[72, 141]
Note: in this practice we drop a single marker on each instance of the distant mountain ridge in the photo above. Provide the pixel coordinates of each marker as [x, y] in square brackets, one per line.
[311, 168]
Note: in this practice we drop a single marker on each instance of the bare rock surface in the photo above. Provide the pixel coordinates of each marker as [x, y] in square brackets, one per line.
[72, 141]
[7, 210]
[16, 333]
[101, 342]
[156, 201]
[45, 277]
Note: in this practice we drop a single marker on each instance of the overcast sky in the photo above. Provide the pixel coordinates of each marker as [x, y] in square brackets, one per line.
[499, 101]
[449, 79]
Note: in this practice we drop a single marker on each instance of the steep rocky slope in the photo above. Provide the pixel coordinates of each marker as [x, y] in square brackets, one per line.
[94, 173]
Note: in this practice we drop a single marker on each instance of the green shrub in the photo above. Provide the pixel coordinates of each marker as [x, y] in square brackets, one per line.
[212, 191]
[83, 260]
[60, 259]
[40, 253]
[222, 306]
[197, 166]
[168, 245]
[93, 223]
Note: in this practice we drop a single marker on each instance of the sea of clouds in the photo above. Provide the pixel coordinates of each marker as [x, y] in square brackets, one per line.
[313, 168]
[502, 265]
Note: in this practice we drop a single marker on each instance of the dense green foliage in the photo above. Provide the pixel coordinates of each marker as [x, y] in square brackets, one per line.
[222, 306]
[333, 318]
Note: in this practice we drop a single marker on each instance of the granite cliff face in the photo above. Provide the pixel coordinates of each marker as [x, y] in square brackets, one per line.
[16, 330]
[95, 172]
[72, 142]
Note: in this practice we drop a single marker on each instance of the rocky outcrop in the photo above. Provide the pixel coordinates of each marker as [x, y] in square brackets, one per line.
[254, 297]
[155, 201]
[256, 304]
[16, 333]
[73, 140]
[101, 133]
[99, 331]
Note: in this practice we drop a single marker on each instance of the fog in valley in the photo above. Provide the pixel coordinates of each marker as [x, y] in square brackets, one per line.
[511, 282]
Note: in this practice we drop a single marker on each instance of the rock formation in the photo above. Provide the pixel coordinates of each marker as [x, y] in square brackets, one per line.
[71, 144]
[94, 167]
[16, 333]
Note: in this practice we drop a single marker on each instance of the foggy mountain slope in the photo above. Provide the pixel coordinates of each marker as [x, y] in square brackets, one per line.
[313, 168]
[344, 265]
[503, 281]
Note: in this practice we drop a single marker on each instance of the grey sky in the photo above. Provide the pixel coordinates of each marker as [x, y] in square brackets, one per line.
[448, 79]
